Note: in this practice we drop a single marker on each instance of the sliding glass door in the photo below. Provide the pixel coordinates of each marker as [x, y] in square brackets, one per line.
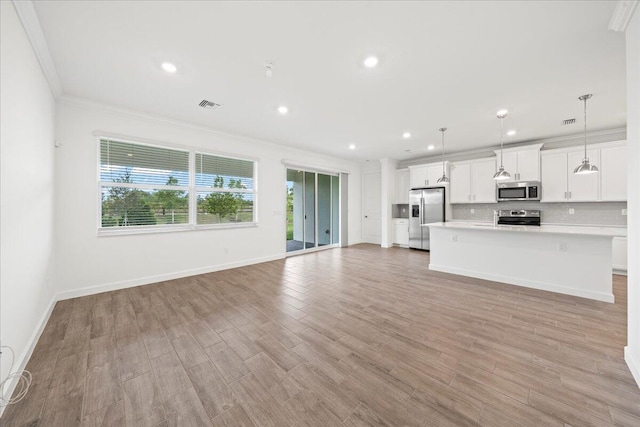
[312, 210]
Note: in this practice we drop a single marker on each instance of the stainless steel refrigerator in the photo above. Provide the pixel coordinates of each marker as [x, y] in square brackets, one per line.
[426, 205]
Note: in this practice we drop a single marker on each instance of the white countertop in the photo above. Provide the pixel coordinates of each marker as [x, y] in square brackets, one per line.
[551, 229]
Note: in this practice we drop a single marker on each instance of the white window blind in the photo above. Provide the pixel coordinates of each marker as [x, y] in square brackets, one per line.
[225, 189]
[151, 187]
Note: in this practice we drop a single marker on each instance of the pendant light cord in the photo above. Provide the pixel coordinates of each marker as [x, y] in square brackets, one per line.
[442, 130]
[501, 140]
[585, 127]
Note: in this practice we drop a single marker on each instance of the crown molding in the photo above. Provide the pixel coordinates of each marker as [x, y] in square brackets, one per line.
[598, 136]
[31, 24]
[622, 14]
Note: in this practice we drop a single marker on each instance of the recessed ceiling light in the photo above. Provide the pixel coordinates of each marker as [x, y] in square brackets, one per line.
[371, 62]
[406, 135]
[169, 67]
[352, 146]
[431, 147]
[502, 113]
[283, 110]
[511, 133]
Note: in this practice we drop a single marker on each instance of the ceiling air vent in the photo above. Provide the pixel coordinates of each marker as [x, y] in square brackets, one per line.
[568, 122]
[208, 105]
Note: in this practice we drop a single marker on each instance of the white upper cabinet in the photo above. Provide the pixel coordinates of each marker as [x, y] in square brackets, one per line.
[460, 186]
[560, 184]
[523, 163]
[554, 177]
[426, 175]
[483, 186]
[434, 173]
[613, 167]
[418, 176]
[402, 186]
[583, 188]
[472, 181]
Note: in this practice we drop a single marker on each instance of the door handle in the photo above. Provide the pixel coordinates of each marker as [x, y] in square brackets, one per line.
[569, 194]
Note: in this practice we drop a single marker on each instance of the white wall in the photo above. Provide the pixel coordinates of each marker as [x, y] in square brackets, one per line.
[27, 117]
[88, 263]
[632, 351]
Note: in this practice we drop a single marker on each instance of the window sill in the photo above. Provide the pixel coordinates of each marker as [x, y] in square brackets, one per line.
[126, 231]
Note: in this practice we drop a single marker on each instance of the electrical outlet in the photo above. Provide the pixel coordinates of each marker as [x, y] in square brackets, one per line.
[624, 212]
[454, 238]
[572, 211]
[473, 211]
[562, 247]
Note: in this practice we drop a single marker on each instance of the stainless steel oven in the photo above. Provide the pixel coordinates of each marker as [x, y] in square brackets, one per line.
[526, 190]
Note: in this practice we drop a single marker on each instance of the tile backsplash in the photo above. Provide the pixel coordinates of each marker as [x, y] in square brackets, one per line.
[601, 213]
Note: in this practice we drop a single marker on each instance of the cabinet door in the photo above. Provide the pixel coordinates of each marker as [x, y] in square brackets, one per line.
[613, 171]
[583, 188]
[418, 176]
[434, 172]
[510, 163]
[483, 186]
[401, 232]
[528, 165]
[402, 195]
[460, 185]
[554, 177]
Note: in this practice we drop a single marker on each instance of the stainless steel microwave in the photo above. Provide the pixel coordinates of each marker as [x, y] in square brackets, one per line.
[526, 190]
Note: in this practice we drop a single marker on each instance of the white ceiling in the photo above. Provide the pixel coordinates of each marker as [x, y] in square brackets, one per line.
[450, 64]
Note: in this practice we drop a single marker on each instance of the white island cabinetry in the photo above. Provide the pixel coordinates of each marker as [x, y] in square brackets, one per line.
[565, 259]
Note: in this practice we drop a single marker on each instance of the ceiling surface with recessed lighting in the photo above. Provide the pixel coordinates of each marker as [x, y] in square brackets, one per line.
[452, 64]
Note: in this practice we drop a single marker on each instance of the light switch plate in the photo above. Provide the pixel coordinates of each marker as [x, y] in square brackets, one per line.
[624, 211]
[473, 211]
[572, 211]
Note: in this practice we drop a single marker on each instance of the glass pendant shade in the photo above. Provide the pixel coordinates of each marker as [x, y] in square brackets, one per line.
[585, 167]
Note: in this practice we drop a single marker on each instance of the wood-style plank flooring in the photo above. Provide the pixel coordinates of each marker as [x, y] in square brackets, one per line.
[358, 336]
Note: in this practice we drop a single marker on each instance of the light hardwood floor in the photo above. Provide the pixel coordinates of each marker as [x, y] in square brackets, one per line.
[358, 336]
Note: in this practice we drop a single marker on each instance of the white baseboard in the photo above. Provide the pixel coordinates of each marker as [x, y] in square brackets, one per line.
[91, 290]
[525, 283]
[633, 362]
[21, 362]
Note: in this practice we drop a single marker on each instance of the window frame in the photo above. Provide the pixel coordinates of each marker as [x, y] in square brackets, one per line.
[191, 188]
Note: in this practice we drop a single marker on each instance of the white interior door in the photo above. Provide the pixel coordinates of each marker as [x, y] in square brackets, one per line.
[371, 207]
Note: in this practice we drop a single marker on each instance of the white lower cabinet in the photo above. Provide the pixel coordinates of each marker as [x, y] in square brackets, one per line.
[401, 232]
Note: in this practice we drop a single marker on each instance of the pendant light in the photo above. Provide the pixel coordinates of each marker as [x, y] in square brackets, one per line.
[501, 174]
[585, 167]
[443, 178]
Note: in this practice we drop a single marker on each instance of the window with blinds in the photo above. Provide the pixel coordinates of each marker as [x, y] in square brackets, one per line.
[225, 189]
[146, 187]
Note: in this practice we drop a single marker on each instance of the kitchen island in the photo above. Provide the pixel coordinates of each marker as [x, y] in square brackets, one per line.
[570, 260]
